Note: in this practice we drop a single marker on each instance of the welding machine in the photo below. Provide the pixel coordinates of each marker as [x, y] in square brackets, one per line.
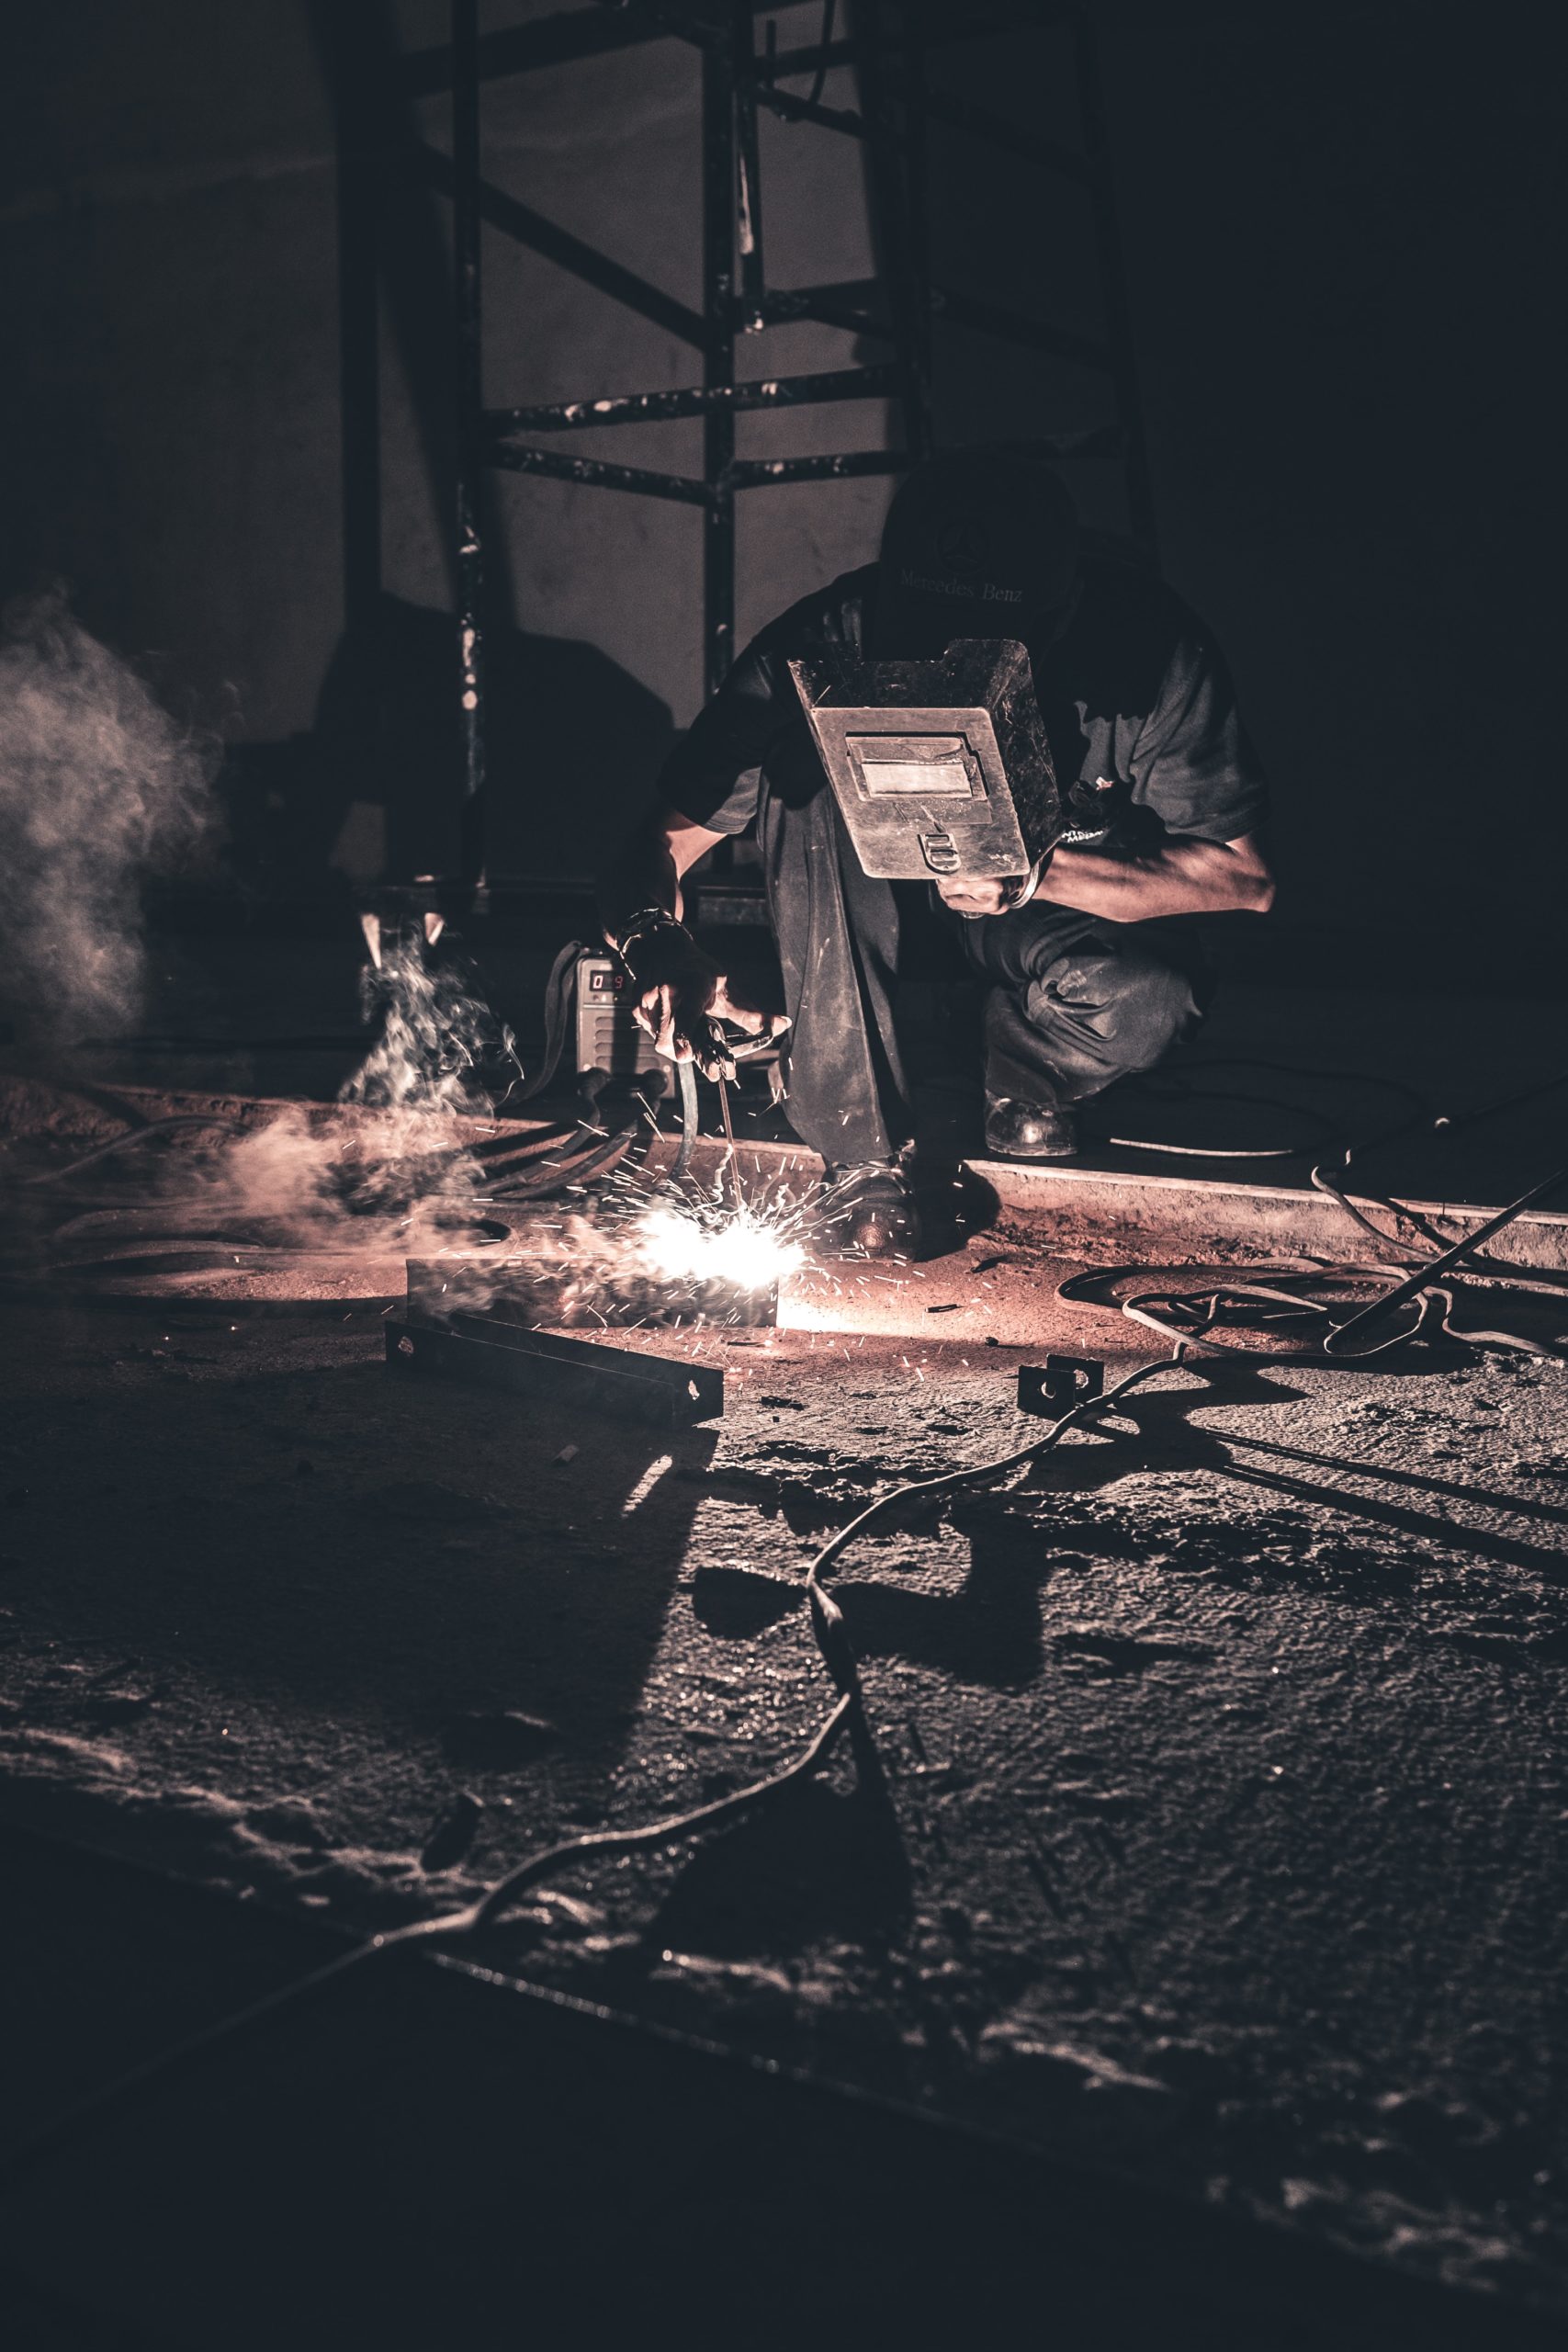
[591, 1030]
[939, 768]
[604, 1029]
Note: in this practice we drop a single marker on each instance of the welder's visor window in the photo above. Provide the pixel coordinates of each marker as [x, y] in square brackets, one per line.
[925, 765]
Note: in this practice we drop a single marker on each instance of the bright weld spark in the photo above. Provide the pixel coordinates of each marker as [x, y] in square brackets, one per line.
[701, 1244]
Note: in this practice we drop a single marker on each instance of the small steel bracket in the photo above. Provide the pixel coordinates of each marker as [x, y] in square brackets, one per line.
[1049, 1390]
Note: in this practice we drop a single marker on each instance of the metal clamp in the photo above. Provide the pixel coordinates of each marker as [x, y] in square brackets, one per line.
[1052, 1388]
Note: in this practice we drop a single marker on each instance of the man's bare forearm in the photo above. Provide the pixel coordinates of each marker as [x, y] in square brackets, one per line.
[1185, 878]
[648, 870]
[643, 876]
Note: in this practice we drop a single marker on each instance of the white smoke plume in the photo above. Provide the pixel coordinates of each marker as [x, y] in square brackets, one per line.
[426, 1075]
[436, 1039]
[100, 789]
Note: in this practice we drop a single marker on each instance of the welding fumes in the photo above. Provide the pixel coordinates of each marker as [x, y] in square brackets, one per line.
[100, 791]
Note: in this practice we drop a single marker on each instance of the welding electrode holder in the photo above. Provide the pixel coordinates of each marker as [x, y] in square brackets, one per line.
[715, 1053]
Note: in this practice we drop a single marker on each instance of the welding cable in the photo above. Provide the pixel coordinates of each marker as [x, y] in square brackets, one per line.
[1424, 1276]
[1409, 1284]
[1494, 1271]
[611, 1159]
[136, 1135]
[473, 1919]
[557, 1021]
[505, 1150]
[1216, 1151]
[598, 1162]
[1323, 1182]
[487, 1910]
[1452, 1121]
[1192, 1316]
[1174, 1091]
[585, 1167]
[1420, 1287]
[832, 1639]
[950, 1481]
[1201, 1311]
[1207, 1151]
[1441, 1123]
[510, 1167]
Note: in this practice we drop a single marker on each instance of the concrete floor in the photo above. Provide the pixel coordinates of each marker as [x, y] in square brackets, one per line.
[1225, 1755]
[1221, 1838]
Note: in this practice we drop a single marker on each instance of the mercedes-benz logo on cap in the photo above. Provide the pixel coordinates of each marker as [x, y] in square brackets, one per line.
[961, 543]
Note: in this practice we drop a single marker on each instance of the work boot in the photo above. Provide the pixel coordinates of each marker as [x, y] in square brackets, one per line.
[868, 1208]
[1017, 1130]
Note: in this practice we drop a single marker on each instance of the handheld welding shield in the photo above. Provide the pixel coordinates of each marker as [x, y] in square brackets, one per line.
[932, 740]
[938, 767]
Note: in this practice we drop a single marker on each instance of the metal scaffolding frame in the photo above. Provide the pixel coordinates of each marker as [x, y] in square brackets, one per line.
[885, 43]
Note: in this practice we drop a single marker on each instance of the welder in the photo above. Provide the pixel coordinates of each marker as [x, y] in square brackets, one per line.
[1091, 967]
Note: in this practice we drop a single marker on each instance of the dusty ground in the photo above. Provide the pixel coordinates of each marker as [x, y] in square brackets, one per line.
[1225, 1793]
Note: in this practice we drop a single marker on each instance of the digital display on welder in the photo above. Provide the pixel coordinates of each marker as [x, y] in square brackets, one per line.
[600, 982]
[926, 765]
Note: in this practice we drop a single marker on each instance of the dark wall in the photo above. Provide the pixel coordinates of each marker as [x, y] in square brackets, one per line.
[1345, 232]
[1341, 238]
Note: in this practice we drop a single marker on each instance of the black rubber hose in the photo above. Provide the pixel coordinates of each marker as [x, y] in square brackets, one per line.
[138, 1135]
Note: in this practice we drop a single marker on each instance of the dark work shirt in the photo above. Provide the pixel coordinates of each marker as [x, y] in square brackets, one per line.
[1136, 699]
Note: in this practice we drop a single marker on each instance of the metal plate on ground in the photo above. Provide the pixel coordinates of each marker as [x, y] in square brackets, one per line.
[668, 1393]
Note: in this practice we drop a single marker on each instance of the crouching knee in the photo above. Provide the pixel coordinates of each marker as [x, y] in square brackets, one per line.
[1152, 1006]
[1118, 1014]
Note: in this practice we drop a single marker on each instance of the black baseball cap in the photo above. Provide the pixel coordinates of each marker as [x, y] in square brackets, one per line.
[977, 543]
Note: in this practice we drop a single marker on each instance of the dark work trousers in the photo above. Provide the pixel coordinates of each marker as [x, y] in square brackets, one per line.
[1074, 1002]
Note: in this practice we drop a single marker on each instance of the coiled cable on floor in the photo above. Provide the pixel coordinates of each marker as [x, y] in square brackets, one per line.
[1190, 1312]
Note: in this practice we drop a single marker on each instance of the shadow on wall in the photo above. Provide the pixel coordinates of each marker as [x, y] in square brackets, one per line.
[574, 743]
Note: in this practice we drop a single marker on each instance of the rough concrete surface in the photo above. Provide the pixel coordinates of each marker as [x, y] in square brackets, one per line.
[1225, 1802]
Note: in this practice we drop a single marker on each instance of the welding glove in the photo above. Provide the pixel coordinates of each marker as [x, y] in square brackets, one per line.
[680, 996]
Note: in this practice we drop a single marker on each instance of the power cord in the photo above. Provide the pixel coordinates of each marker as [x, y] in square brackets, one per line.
[489, 1909]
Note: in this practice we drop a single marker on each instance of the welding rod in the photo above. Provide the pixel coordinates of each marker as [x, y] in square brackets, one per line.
[730, 1141]
[1402, 1293]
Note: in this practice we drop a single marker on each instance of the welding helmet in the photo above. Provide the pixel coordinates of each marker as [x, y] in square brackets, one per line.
[978, 543]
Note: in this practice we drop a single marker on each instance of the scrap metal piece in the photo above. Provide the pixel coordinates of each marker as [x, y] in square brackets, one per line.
[578, 1288]
[667, 1393]
[1049, 1390]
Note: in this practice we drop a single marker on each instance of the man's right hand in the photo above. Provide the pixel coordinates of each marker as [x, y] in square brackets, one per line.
[681, 993]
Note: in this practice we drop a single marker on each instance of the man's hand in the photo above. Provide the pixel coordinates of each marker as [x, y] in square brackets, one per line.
[984, 894]
[1186, 876]
[681, 993]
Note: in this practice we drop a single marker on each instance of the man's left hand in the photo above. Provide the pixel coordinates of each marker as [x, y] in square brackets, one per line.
[973, 895]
